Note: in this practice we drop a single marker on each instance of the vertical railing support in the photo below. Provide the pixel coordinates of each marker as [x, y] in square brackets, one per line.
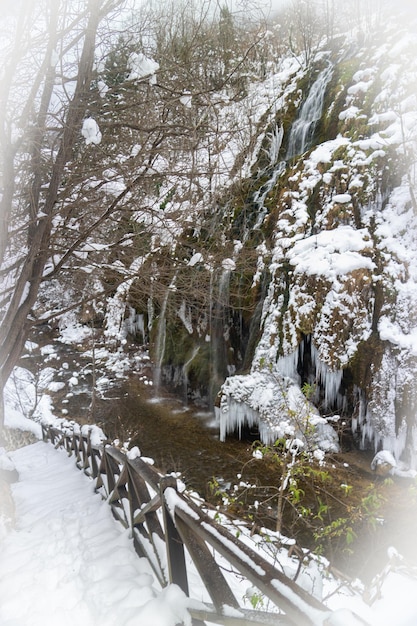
[177, 570]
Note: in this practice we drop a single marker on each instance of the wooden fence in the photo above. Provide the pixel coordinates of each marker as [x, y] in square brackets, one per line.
[167, 526]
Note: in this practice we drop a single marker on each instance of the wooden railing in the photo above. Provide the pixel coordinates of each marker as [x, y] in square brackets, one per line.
[166, 525]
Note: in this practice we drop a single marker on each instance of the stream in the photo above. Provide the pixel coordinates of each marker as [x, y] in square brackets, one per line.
[184, 438]
[179, 438]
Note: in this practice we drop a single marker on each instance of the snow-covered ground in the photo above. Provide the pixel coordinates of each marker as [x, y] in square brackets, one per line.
[67, 561]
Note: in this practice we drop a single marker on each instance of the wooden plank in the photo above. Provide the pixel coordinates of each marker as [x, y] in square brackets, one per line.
[146, 548]
[109, 468]
[60, 442]
[120, 517]
[152, 506]
[209, 570]
[299, 606]
[148, 473]
[248, 617]
[140, 496]
[147, 525]
[95, 455]
[177, 568]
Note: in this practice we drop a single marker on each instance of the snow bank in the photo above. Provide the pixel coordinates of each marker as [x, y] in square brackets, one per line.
[15, 419]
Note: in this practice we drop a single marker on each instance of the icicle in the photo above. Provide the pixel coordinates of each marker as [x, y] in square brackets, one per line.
[184, 313]
[135, 323]
[330, 380]
[287, 366]
[235, 416]
[140, 325]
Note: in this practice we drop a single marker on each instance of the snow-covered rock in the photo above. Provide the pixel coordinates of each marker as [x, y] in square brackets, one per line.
[276, 406]
[383, 463]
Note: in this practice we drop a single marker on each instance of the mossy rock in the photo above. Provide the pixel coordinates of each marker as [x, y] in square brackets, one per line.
[367, 359]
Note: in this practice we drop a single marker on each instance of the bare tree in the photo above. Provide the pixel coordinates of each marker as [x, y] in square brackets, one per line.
[306, 28]
[47, 72]
[105, 162]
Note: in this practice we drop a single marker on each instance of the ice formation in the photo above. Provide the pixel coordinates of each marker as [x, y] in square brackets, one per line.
[276, 407]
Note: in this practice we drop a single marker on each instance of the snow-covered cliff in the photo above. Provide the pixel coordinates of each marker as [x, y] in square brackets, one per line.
[340, 308]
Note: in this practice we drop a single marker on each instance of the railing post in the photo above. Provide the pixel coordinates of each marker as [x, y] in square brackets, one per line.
[177, 570]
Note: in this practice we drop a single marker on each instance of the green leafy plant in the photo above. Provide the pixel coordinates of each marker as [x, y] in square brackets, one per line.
[255, 598]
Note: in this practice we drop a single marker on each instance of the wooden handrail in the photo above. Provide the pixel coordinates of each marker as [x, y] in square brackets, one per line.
[137, 492]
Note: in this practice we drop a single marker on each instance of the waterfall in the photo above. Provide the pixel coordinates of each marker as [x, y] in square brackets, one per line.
[275, 137]
[303, 128]
[224, 288]
[160, 343]
[161, 337]
[219, 334]
[301, 134]
[185, 369]
[261, 193]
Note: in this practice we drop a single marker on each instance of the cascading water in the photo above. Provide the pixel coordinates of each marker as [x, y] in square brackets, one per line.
[302, 130]
[160, 338]
[301, 135]
[275, 137]
[160, 344]
[218, 334]
[185, 370]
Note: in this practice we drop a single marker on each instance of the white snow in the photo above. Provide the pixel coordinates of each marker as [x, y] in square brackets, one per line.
[390, 331]
[228, 264]
[102, 88]
[342, 198]
[91, 131]
[68, 561]
[332, 252]
[186, 99]
[15, 419]
[141, 66]
[384, 457]
[196, 258]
